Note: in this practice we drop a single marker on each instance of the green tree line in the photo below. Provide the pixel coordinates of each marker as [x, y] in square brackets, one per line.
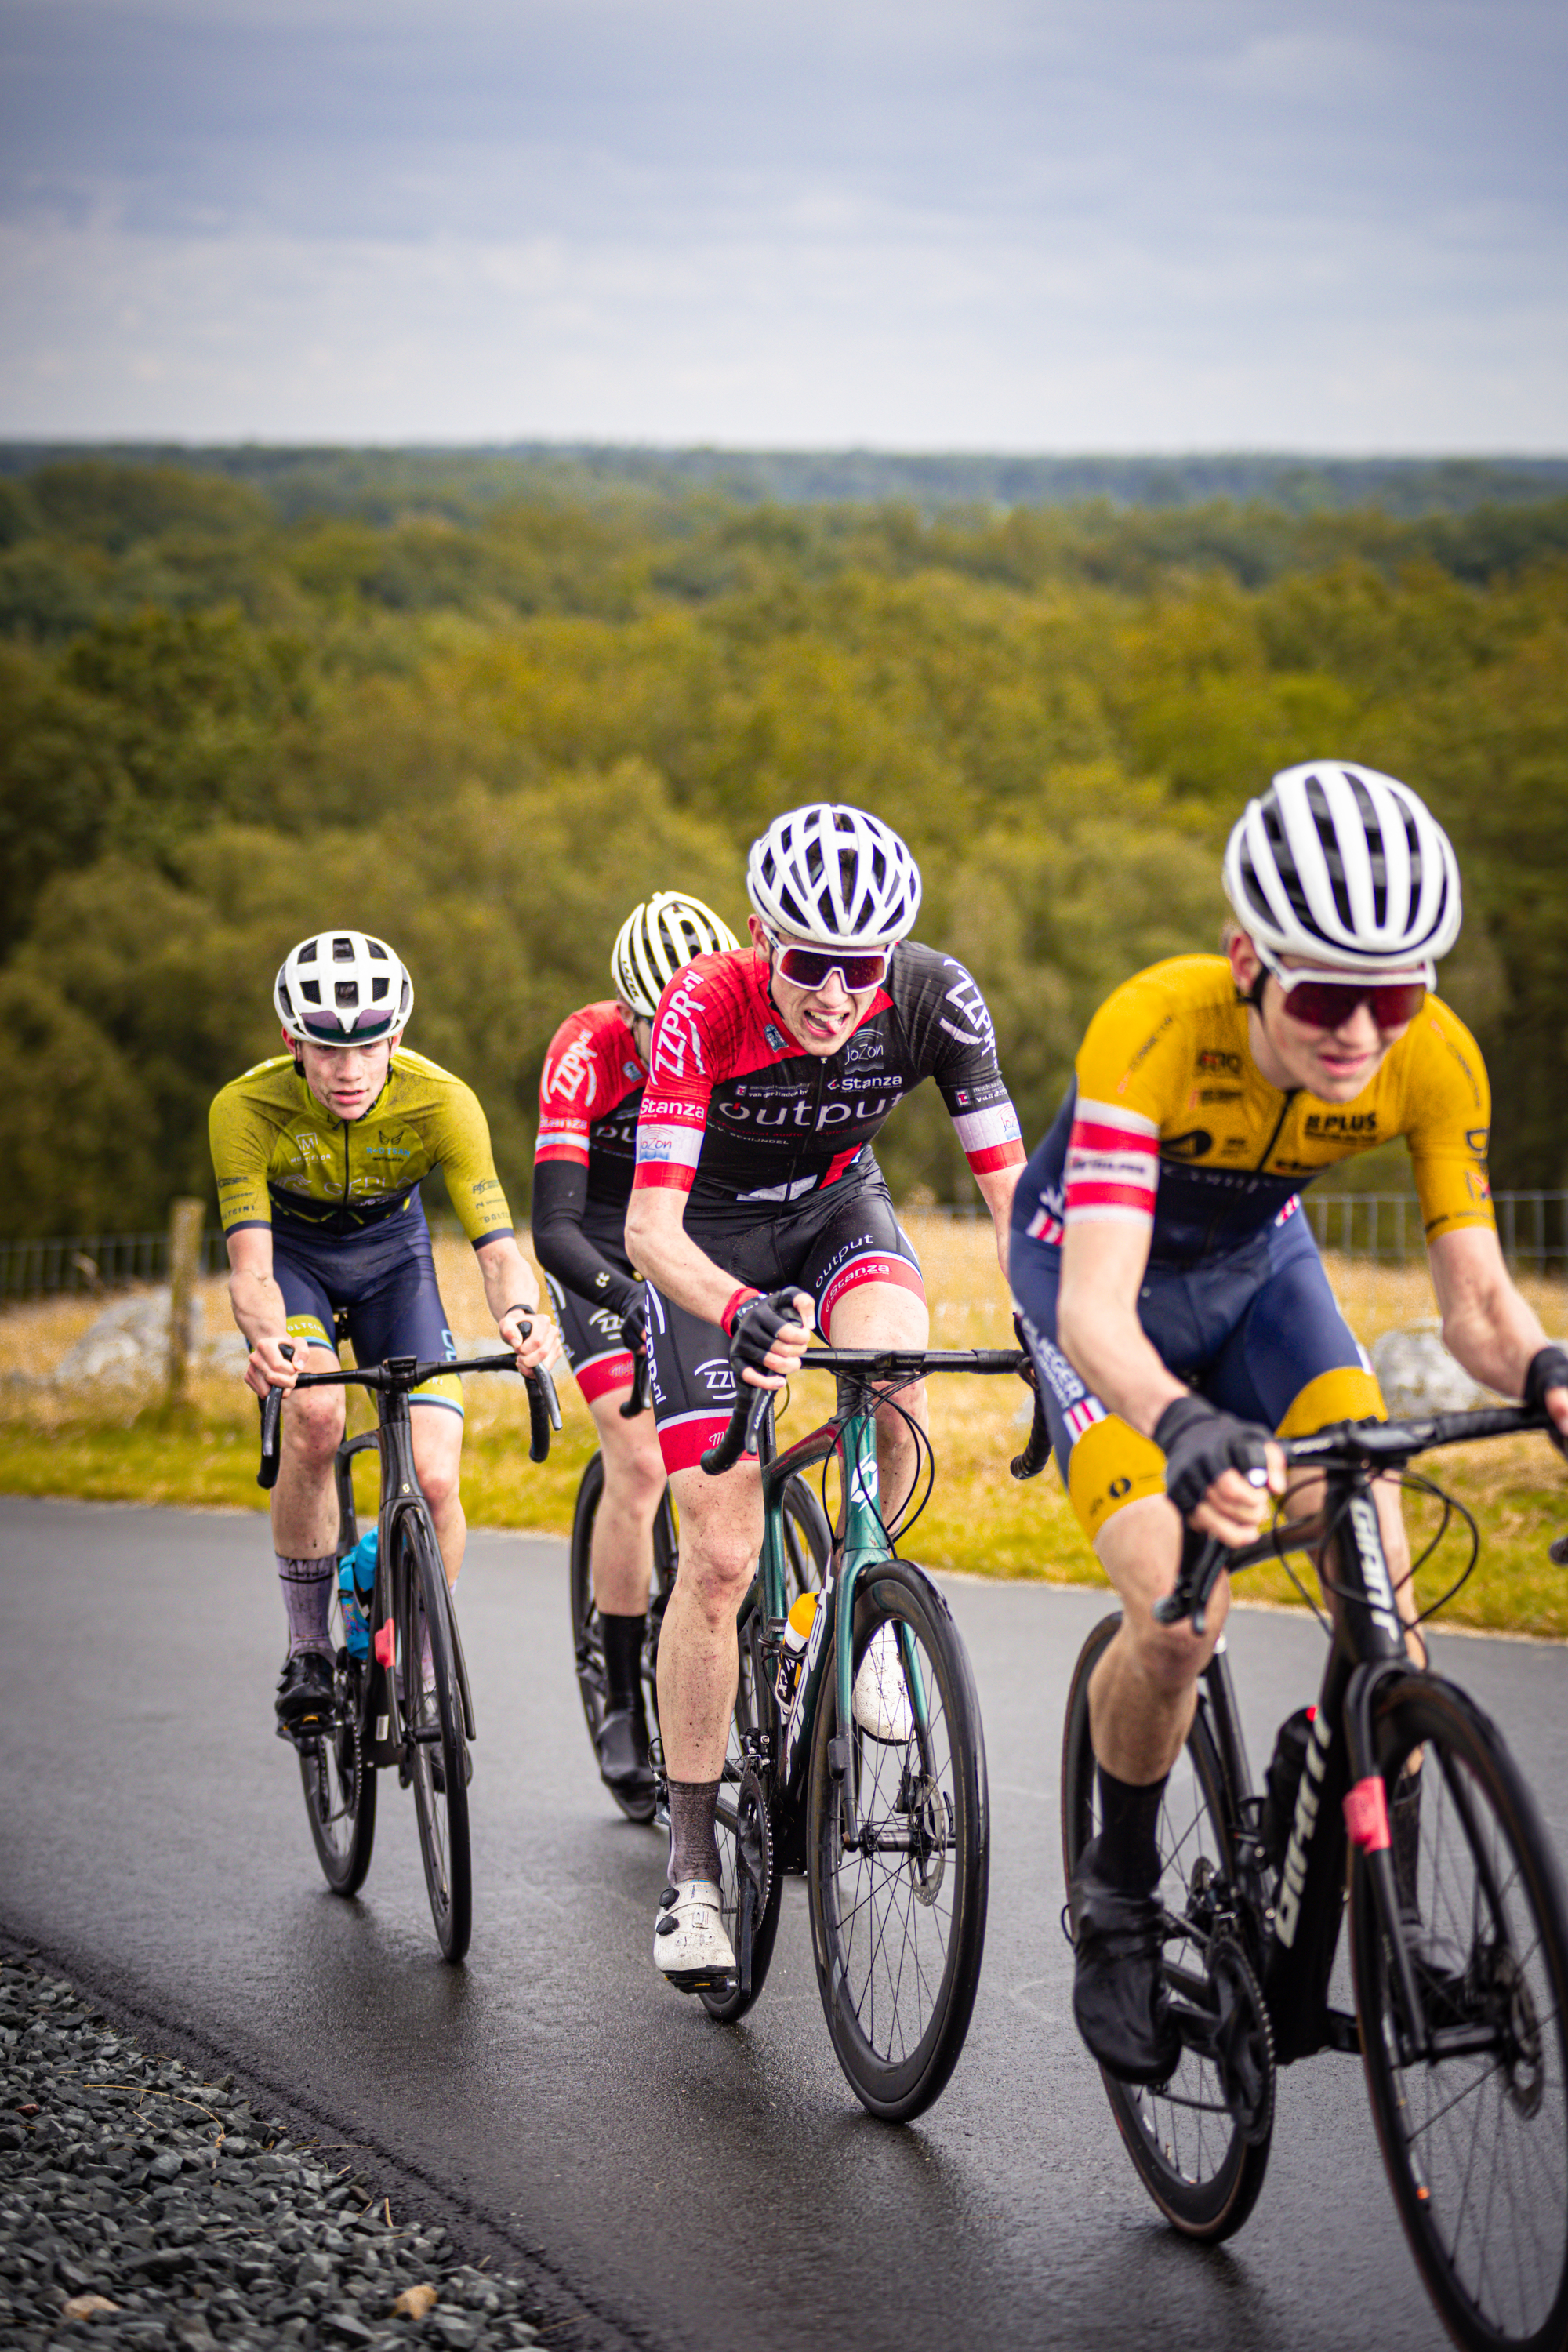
[223, 725]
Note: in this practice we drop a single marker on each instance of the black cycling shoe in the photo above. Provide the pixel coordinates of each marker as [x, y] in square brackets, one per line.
[304, 1701]
[624, 1764]
[1118, 1995]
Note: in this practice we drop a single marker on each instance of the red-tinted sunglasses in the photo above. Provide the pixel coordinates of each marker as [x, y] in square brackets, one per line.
[1321, 1001]
[813, 967]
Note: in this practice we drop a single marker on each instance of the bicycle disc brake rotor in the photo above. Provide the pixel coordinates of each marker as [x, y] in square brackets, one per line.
[1243, 2039]
[1507, 1991]
[929, 1816]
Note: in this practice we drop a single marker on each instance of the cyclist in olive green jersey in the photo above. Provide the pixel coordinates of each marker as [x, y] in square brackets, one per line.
[319, 1155]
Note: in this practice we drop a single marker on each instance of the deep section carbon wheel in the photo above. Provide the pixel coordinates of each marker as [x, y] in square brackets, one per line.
[898, 1906]
[1199, 2141]
[435, 1753]
[1474, 2128]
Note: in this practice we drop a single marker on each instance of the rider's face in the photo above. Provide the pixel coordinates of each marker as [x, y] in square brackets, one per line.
[344, 1080]
[1334, 1065]
[818, 1019]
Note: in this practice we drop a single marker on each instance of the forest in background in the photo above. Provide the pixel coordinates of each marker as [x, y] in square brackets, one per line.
[486, 723]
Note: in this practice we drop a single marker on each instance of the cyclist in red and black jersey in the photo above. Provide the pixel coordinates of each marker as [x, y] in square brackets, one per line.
[588, 1101]
[758, 1210]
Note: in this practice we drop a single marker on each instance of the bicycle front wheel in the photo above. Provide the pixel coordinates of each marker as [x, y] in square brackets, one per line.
[1473, 2131]
[339, 1788]
[434, 1751]
[1201, 2168]
[898, 1910]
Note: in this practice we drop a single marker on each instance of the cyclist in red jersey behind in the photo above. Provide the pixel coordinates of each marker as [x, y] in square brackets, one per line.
[588, 1100]
[757, 1210]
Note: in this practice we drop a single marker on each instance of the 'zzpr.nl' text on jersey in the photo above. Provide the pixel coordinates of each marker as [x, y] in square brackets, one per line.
[741, 1116]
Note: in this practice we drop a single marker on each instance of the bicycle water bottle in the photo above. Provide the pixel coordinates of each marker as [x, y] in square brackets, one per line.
[792, 1660]
[356, 1585]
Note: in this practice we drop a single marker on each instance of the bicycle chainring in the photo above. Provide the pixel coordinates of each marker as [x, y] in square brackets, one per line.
[1243, 2039]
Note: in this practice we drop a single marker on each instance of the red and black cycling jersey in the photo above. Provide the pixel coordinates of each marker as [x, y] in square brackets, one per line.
[742, 1116]
[582, 1161]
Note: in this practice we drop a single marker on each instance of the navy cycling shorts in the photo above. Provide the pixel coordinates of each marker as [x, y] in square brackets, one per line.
[827, 1251]
[384, 1280]
[1258, 1332]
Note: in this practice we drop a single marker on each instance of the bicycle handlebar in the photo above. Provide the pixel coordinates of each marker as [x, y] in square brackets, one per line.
[401, 1375]
[1371, 1445]
[873, 1363]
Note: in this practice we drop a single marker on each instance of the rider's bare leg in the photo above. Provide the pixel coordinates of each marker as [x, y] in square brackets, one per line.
[720, 1536]
[1144, 1690]
[885, 1315]
[438, 1434]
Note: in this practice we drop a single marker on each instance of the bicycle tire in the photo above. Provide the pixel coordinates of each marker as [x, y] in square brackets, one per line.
[1488, 2124]
[433, 1725]
[1197, 2163]
[587, 1637]
[339, 1786]
[898, 2003]
[807, 1543]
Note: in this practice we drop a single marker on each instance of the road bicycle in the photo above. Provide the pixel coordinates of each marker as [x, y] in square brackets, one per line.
[407, 1702]
[806, 1542]
[1458, 1946]
[868, 1779]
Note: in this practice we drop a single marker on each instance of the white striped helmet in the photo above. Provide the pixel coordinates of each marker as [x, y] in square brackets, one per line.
[1346, 866]
[836, 875]
[657, 937]
[341, 988]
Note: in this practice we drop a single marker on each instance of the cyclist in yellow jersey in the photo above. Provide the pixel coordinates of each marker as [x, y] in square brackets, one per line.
[319, 1155]
[1173, 1297]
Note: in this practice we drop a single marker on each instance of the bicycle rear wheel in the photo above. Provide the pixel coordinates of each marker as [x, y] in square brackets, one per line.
[437, 1757]
[898, 1919]
[806, 1541]
[1475, 2136]
[339, 1786]
[1201, 2168]
[587, 1635]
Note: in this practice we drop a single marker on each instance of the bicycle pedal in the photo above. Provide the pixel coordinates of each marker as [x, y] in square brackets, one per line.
[702, 1980]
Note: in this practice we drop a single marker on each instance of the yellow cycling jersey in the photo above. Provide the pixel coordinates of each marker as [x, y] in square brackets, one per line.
[1169, 1118]
[276, 1150]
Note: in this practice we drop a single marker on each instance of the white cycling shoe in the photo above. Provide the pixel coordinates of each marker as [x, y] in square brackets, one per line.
[690, 1946]
[881, 1700]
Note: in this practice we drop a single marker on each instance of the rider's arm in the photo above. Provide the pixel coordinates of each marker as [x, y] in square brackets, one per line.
[1486, 1325]
[1097, 1321]
[258, 1308]
[997, 1186]
[511, 1284]
[658, 1241]
[560, 1244]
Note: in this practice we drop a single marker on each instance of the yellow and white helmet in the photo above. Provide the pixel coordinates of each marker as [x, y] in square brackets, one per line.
[657, 937]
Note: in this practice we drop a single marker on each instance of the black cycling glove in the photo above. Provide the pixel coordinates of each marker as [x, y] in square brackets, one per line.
[757, 1324]
[1548, 1369]
[633, 1322]
[1200, 1444]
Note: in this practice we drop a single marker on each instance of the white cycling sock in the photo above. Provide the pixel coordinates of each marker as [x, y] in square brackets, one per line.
[308, 1601]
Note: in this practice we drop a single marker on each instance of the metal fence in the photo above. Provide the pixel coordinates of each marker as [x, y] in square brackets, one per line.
[1384, 1227]
[83, 1263]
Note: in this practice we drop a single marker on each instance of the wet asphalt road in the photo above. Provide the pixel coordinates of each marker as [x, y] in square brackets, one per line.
[686, 2185]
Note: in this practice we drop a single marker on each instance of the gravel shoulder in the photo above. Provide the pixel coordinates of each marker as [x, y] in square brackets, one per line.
[141, 2206]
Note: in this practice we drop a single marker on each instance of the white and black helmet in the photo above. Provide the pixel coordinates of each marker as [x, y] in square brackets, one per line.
[835, 876]
[657, 937]
[341, 988]
[1344, 865]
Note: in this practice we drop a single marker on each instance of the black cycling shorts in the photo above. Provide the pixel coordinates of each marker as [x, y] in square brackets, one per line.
[386, 1280]
[592, 1338]
[829, 1248]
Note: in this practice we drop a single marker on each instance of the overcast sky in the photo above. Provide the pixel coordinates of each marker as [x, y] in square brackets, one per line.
[1055, 225]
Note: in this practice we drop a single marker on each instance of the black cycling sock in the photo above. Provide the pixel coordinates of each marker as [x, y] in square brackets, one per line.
[693, 1848]
[308, 1587]
[623, 1660]
[1129, 1822]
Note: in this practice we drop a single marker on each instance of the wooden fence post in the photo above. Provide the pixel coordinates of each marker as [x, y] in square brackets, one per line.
[185, 1221]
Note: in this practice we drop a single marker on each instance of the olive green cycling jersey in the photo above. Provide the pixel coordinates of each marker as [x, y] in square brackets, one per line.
[277, 1152]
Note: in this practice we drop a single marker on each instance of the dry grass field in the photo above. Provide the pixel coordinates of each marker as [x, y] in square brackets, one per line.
[117, 1444]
